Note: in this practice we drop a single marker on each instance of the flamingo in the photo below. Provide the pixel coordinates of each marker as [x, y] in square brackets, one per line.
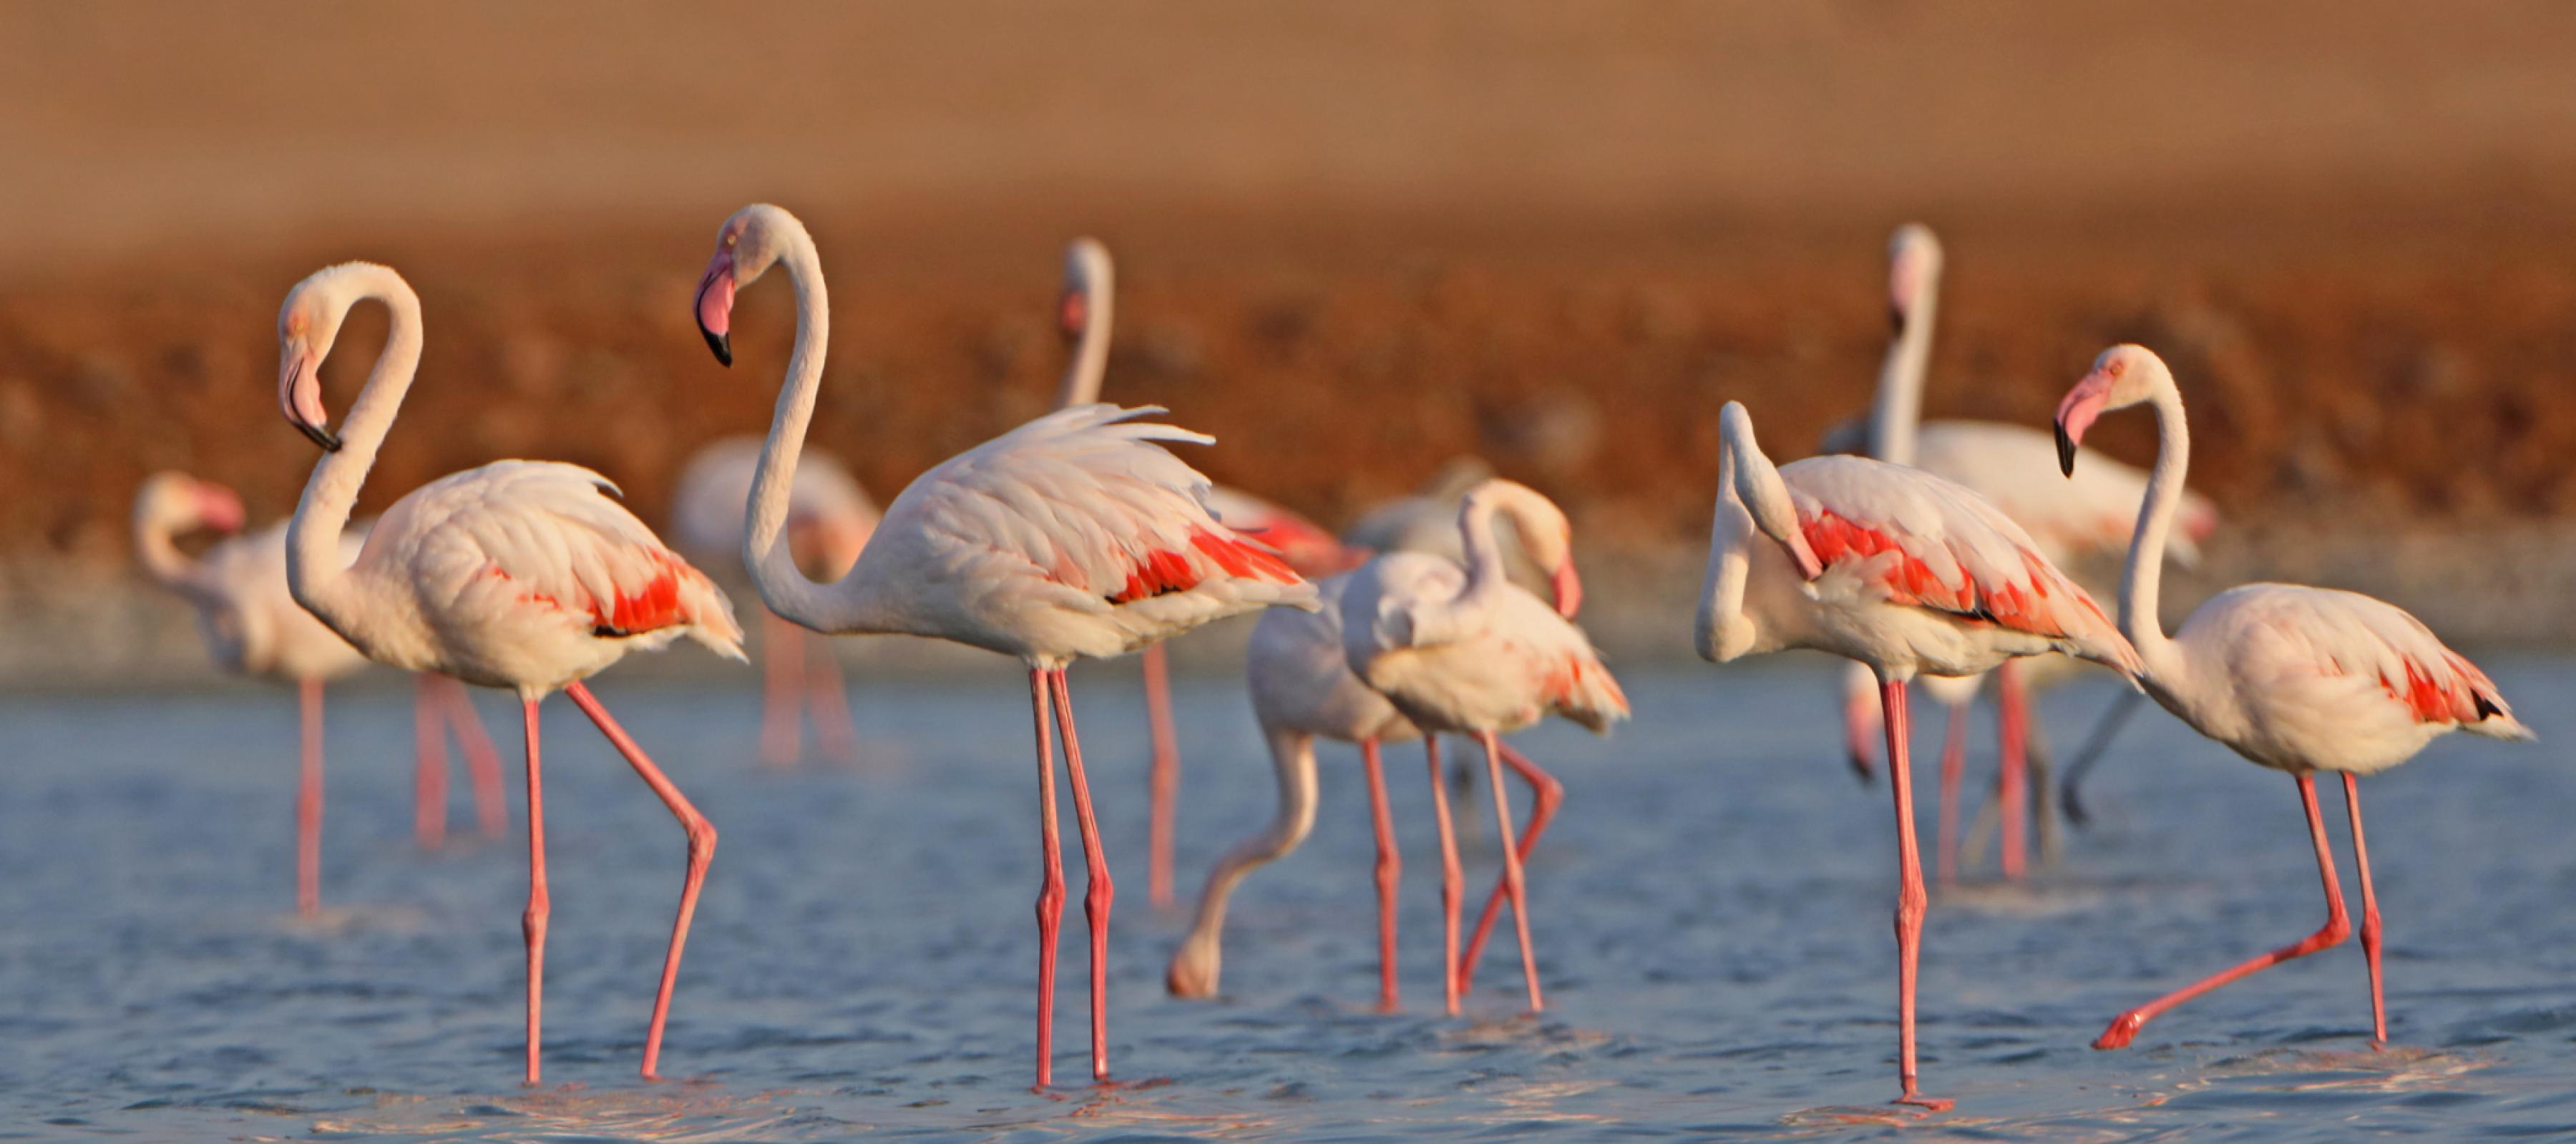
[1302, 690]
[2294, 678]
[2068, 520]
[1460, 649]
[519, 575]
[1901, 570]
[1076, 535]
[829, 518]
[1083, 316]
[253, 627]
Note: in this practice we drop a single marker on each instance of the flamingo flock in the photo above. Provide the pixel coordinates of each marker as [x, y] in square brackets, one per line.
[1941, 554]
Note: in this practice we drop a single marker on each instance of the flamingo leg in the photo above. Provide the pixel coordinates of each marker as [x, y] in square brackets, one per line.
[2369, 914]
[1545, 794]
[1954, 761]
[782, 663]
[828, 697]
[308, 802]
[1453, 878]
[532, 923]
[2338, 927]
[1051, 888]
[1910, 896]
[429, 768]
[1513, 879]
[2012, 712]
[1390, 867]
[1163, 781]
[1099, 892]
[482, 762]
[702, 850]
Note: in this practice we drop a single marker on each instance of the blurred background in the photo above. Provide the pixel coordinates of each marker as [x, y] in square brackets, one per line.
[1356, 240]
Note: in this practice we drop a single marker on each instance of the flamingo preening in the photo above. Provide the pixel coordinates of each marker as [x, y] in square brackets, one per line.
[1085, 316]
[2294, 678]
[1076, 535]
[829, 518]
[1459, 649]
[1898, 569]
[1303, 689]
[253, 627]
[2069, 520]
[520, 574]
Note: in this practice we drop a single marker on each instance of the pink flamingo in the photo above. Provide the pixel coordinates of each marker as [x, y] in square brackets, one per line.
[1901, 570]
[253, 627]
[519, 575]
[2068, 520]
[829, 518]
[1084, 316]
[2294, 678]
[1462, 650]
[1073, 536]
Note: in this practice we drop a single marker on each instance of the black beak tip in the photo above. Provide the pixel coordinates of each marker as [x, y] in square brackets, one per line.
[322, 436]
[1896, 320]
[722, 344]
[2065, 452]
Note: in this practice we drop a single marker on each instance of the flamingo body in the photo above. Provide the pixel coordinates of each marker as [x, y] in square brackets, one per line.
[1499, 663]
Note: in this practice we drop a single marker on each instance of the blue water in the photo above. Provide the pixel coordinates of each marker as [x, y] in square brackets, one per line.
[1711, 911]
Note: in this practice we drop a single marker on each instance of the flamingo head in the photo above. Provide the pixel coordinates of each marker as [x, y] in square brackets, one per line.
[1757, 485]
[2122, 376]
[187, 504]
[1913, 267]
[1195, 967]
[1087, 273]
[747, 245]
[1546, 535]
[306, 326]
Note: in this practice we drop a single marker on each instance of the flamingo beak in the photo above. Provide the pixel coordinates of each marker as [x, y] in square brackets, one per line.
[220, 508]
[299, 393]
[714, 306]
[1860, 732]
[1804, 555]
[1568, 590]
[1073, 313]
[2075, 414]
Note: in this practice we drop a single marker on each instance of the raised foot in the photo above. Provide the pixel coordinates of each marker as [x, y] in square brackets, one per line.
[2123, 1030]
[1927, 1103]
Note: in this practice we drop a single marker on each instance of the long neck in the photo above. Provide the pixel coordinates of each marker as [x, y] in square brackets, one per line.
[765, 548]
[1898, 411]
[1486, 571]
[1090, 353]
[154, 546]
[315, 570]
[2140, 586]
[1293, 753]
[1723, 631]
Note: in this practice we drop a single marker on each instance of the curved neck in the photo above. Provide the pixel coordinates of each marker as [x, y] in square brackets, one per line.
[315, 572]
[1293, 753]
[154, 533]
[2141, 584]
[765, 550]
[1898, 410]
[1485, 569]
[1723, 632]
[1081, 385]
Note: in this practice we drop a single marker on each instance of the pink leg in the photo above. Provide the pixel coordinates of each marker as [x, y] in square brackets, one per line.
[1164, 781]
[308, 803]
[2012, 710]
[1954, 761]
[702, 849]
[429, 770]
[2369, 914]
[782, 659]
[1910, 896]
[2337, 928]
[1390, 866]
[1513, 881]
[482, 763]
[1099, 892]
[1050, 890]
[827, 696]
[532, 923]
[1453, 877]
[1545, 794]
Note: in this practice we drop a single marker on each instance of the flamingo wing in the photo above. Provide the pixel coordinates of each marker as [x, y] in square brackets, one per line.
[1307, 546]
[545, 540]
[2349, 662]
[1914, 539]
